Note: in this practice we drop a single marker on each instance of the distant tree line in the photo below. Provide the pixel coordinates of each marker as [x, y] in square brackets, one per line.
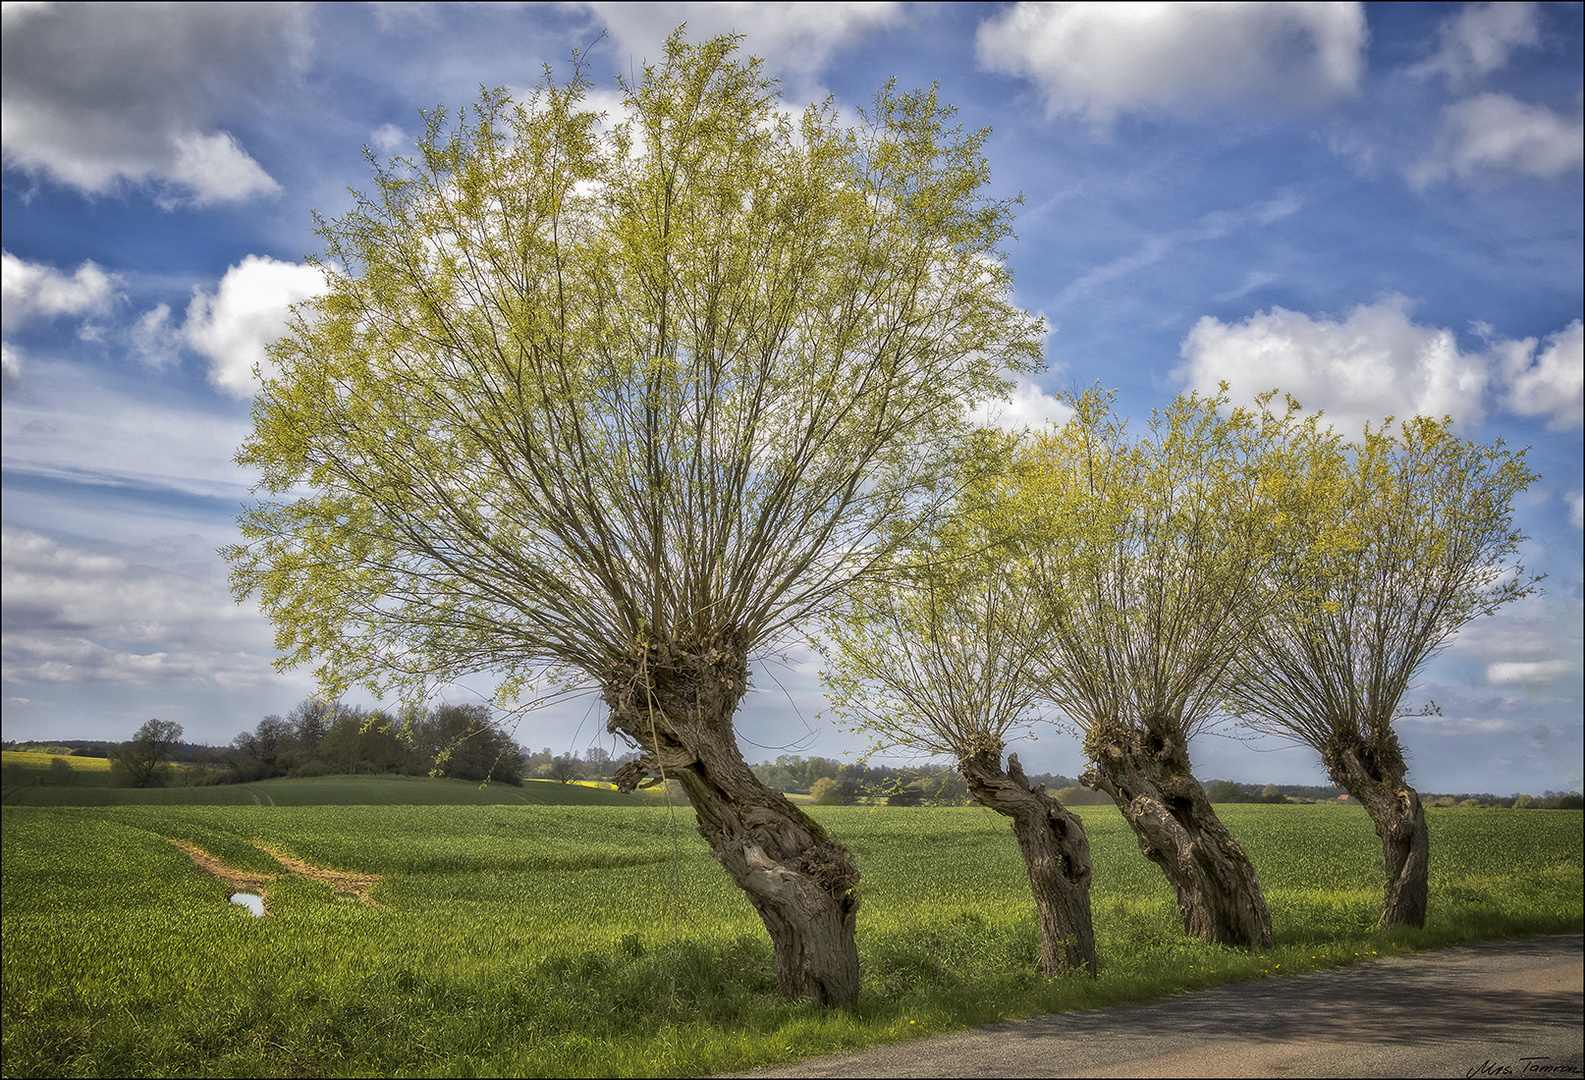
[99, 748]
[320, 738]
[1230, 791]
[317, 739]
[1549, 800]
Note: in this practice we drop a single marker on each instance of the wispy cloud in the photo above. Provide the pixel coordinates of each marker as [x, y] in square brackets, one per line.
[70, 425]
[1478, 40]
[1494, 138]
[73, 615]
[1212, 226]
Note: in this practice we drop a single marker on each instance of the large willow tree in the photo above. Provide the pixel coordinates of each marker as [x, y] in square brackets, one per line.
[1382, 551]
[620, 402]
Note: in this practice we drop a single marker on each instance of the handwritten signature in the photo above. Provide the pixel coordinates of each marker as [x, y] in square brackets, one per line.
[1525, 1066]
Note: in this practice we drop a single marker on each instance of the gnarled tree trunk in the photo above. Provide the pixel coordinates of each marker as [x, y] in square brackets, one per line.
[1374, 773]
[677, 705]
[1056, 855]
[1148, 776]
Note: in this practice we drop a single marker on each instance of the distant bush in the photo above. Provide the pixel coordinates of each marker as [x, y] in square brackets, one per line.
[829, 791]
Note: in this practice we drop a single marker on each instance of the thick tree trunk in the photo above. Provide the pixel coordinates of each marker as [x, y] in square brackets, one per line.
[1056, 855]
[677, 705]
[1374, 774]
[1148, 776]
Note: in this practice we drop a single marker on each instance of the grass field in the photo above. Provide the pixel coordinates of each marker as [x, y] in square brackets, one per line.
[330, 791]
[603, 940]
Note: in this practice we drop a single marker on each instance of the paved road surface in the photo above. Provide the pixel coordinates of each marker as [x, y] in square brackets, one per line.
[1510, 1008]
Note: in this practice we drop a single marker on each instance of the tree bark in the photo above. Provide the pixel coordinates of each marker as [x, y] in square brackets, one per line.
[1148, 776]
[1374, 773]
[677, 703]
[1056, 855]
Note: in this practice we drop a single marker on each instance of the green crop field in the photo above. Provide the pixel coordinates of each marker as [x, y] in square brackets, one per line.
[603, 940]
[326, 791]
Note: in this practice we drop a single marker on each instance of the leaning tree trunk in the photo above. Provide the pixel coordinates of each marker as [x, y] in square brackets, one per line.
[1148, 776]
[1056, 855]
[677, 705]
[1375, 775]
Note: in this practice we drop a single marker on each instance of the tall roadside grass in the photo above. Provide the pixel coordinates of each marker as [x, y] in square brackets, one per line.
[583, 940]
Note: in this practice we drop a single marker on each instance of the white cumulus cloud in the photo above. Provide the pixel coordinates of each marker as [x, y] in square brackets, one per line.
[30, 291]
[92, 95]
[1101, 60]
[1492, 137]
[1376, 362]
[234, 326]
[1027, 406]
[1551, 384]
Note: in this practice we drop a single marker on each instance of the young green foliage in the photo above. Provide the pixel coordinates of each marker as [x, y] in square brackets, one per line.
[572, 389]
[940, 656]
[1146, 551]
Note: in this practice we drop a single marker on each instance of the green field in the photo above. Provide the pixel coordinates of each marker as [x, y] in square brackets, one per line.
[329, 791]
[603, 939]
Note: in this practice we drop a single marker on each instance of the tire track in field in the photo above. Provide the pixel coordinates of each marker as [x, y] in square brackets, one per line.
[342, 881]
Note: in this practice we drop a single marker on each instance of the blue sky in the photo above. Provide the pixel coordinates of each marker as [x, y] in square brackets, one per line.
[1377, 208]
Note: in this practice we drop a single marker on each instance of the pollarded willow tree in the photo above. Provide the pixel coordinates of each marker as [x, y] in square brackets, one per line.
[1384, 549]
[620, 404]
[941, 657]
[1146, 554]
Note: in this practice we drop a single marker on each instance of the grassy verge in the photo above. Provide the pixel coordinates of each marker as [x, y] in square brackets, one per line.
[554, 940]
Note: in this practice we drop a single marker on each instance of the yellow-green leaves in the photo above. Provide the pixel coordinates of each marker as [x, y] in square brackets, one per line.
[942, 654]
[579, 378]
[1384, 549]
[1146, 551]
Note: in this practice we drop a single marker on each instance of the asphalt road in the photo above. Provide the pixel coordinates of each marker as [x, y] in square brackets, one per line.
[1506, 1008]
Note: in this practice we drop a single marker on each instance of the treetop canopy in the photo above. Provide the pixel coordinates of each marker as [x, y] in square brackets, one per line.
[579, 387]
